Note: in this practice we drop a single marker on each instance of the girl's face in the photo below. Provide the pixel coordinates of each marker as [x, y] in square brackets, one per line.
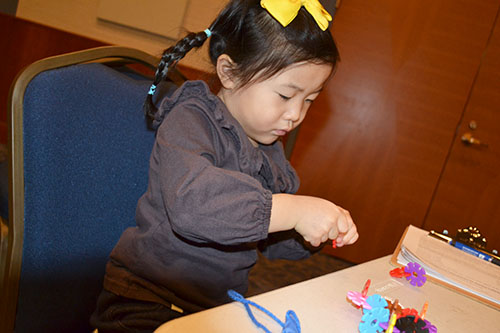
[271, 108]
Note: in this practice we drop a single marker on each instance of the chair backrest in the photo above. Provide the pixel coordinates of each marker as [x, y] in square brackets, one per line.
[79, 155]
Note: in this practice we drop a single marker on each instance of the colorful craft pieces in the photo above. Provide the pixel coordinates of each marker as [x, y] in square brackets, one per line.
[376, 301]
[366, 286]
[408, 312]
[399, 272]
[374, 311]
[413, 272]
[417, 275]
[424, 310]
[371, 320]
[394, 306]
[359, 298]
[390, 327]
[429, 327]
[383, 315]
[411, 324]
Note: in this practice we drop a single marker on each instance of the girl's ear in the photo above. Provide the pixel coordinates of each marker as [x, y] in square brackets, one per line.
[224, 69]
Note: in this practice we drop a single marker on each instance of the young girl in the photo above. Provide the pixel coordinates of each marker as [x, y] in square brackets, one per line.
[220, 188]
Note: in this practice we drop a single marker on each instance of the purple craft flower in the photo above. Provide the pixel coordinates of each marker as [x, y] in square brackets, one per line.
[417, 274]
[431, 328]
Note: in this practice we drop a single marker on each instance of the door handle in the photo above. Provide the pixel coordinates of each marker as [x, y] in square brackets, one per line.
[468, 139]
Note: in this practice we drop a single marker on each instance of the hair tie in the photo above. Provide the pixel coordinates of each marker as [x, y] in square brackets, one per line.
[152, 89]
[208, 32]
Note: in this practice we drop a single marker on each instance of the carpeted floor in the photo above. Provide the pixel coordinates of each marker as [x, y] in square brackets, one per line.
[272, 274]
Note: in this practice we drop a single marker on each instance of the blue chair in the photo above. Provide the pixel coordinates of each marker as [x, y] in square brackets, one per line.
[78, 163]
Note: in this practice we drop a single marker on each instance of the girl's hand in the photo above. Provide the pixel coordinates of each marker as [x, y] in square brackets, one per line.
[348, 233]
[322, 220]
[316, 219]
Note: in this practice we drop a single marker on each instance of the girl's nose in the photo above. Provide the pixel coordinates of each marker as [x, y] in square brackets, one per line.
[294, 112]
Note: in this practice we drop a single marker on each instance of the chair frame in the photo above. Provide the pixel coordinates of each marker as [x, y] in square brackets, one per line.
[12, 231]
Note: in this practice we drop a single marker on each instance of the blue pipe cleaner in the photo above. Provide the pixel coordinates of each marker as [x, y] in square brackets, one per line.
[291, 324]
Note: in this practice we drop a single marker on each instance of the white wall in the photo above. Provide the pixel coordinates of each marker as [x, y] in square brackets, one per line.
[80, 17]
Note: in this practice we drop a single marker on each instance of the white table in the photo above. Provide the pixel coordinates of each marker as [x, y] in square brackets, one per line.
[321, 305]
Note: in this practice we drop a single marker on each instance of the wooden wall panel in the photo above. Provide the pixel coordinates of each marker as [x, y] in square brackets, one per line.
[376, 140]
[80, 17]
[24, 42]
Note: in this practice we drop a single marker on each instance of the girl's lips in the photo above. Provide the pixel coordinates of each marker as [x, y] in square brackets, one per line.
[281, 132]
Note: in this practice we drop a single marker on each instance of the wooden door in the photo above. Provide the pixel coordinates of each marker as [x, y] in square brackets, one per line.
[376, 140]
[468, 193]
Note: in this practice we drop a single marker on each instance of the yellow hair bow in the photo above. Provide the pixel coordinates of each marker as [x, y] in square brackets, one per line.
[286, 10]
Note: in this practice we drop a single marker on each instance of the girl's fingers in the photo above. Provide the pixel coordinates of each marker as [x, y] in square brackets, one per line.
[324, 238]
[345, 222]
[354, 239]
[333, 233]
[351, 236]
[348, 233]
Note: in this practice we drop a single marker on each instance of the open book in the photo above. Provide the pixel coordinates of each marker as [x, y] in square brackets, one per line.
[450, 266]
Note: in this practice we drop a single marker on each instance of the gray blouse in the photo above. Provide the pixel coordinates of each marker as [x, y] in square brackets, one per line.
[207, 208]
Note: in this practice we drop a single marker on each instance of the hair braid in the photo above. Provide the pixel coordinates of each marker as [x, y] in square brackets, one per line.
[256, 42]
[168, 60]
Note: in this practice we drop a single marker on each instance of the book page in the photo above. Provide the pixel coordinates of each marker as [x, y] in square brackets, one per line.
[449, 264]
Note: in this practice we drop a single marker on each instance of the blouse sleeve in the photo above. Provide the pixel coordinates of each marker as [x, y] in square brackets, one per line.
[286, 245]
[206, 200]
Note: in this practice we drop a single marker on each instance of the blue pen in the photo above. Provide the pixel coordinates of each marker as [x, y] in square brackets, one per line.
[466, 248]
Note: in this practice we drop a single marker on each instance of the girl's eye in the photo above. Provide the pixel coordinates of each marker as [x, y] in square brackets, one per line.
[309, 101]
[286, 98]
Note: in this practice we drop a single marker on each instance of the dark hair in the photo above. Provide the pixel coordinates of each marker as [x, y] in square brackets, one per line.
[259, 45]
